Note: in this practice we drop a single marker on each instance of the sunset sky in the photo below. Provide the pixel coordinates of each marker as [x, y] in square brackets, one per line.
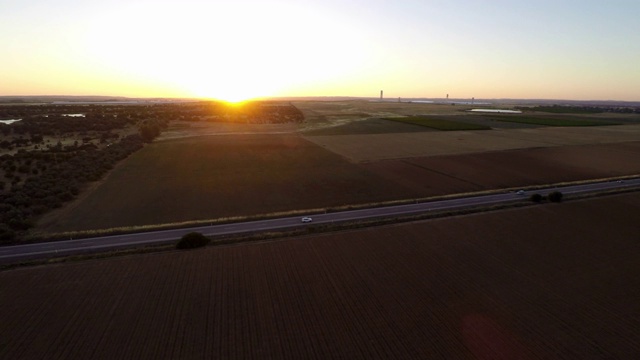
[232, 50]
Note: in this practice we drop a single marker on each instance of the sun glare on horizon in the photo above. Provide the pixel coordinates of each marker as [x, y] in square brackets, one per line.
[246, 49]
[228, 88]
[210, 53]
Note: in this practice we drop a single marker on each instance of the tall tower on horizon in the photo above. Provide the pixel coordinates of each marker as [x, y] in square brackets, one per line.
[380, 94]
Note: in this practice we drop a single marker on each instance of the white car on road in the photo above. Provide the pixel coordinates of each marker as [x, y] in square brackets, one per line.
[307, 219]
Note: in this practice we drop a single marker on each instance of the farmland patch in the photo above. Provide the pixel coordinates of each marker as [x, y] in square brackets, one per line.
[368, 126]
[438, 123]
[221, 176]
[362, 148]
[549, 281]
[503, 169]
[552, 120]
[243, 175]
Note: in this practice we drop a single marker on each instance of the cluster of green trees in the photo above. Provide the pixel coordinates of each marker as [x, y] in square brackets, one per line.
[37, 175]
[131, 111]
[98, 122]
[59, 124]
[52, 121]
[51, 178]
[150, 129]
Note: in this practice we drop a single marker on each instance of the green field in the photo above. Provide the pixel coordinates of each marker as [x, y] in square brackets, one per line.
[553, 121]
[368, 126]
[557, 109]
[439, 124]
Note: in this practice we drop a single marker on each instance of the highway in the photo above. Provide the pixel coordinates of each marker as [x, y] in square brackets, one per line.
[15, 253]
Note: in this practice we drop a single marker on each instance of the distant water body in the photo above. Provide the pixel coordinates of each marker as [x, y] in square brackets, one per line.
[10, 121]
[500, 111]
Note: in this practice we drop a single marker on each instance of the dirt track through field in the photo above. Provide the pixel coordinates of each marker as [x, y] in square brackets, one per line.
[555, 281]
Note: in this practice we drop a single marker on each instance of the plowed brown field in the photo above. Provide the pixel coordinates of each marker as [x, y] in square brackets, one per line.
[555, 281]
[209, 177]
[374, 147]
[510, 168]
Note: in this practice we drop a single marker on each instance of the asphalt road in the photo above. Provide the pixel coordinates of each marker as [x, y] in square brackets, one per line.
[10, 254]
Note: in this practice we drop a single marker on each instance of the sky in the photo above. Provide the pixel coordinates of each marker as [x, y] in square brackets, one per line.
[240, 49]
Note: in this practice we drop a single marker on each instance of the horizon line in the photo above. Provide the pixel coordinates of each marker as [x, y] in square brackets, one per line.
[318, 97]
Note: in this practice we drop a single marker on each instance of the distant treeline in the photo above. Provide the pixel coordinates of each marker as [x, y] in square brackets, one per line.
[258, 112]
[569, 109]
[102, 115]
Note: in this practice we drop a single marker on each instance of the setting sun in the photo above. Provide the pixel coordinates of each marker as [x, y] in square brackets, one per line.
[243, 49]
[229, 90]
[212, 54]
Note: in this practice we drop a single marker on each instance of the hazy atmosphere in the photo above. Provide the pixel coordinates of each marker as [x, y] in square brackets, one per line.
[234, 50]
[319, 179]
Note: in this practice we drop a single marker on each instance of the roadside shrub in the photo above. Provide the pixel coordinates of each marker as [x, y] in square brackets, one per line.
[536, 198]
[555, 196]
[192, 240]
[6, 233]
